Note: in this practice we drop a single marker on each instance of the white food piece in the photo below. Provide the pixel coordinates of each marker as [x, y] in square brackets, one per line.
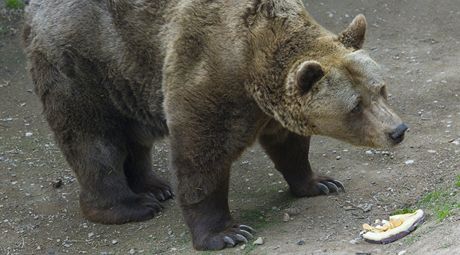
[408, 221]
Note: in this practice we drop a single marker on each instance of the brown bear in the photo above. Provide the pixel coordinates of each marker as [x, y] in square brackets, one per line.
[215, 76]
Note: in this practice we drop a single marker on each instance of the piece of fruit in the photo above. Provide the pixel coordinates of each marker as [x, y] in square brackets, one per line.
[396, 228]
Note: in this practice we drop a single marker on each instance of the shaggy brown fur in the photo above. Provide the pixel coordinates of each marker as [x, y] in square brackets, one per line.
[115, 75]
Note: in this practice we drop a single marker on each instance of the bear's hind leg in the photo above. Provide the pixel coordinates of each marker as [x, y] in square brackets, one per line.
[289, 153]
[140, 175]
[105, 196]
[90, 133]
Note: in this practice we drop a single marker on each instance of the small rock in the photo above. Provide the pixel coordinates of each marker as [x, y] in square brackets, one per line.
[91, 234]
[286, 217]
[409, 162]
[431, 151]
[402, 252]
[365, 207]
[57, 184]
[258, 241]
[66, 243]
[369, 152]
[29, 134]
[132, 251]
[338, 157]
[114, 241]
[293, 211]
[301, 242]
[348, 208]
[242, 247]
[455, 141]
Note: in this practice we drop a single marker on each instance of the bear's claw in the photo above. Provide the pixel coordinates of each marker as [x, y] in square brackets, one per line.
[246, 233]
[229, 241]
[323, 188]
[338, 184]
[246, 229]
[330, 186]
[163, 194]
[235, 235]
[241, 234]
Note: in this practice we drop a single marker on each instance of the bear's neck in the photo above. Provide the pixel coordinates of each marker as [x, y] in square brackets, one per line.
[277, 50]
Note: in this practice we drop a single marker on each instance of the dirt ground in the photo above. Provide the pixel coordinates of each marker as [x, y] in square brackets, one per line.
[418, 44]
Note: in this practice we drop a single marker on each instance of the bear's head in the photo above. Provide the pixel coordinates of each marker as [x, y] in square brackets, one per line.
[333, 88]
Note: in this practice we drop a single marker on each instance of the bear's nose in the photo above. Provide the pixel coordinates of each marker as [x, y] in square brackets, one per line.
[398, 134]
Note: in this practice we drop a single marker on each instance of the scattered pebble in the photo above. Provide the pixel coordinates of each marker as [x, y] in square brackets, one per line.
[366, 207]
[286, 217]
[409, 162]
[293, 211]
[57, 184]
[258, 241]
[349, 208]
[301, 242]
[455, 141]
[338, 157]
[28, 134]
[402, 252]
[114, 241]
[242, 247]
[132, 251]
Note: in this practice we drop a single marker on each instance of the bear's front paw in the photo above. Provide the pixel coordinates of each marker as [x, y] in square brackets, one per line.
[320, 185]
[227, 238]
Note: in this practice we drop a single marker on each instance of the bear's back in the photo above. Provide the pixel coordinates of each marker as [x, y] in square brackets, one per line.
[91, 43]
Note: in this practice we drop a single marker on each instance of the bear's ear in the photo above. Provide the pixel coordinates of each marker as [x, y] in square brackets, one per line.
[353, 35]
[308, 74]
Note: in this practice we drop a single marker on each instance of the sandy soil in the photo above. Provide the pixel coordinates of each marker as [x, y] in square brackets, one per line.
[417, 42]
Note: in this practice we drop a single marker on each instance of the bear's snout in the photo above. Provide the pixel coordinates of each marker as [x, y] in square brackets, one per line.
[397, 135]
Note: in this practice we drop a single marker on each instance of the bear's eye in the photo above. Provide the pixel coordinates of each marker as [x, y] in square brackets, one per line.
[357, 108]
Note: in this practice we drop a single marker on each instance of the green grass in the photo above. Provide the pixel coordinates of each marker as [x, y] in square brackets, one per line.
[440, 202]
[254, 218]
[249, 248]
[14, 4]
[2, 30]
[403, 211]
[457, 182]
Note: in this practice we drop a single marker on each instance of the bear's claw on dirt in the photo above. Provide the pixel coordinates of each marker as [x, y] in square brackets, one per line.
[246, 229]
[163, 194]
[329, 186]
[240, 234]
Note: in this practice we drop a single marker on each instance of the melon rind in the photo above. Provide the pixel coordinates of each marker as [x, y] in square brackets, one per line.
[411, 221]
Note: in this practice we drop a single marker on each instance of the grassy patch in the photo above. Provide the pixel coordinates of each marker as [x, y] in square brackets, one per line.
[440, 202]
[249, 248]
[3, 30]
[254, 218]
[457, 182]
[14, 4]
[403, 211]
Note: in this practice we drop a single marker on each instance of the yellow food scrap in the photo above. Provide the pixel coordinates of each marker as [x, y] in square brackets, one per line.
[393, 223]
